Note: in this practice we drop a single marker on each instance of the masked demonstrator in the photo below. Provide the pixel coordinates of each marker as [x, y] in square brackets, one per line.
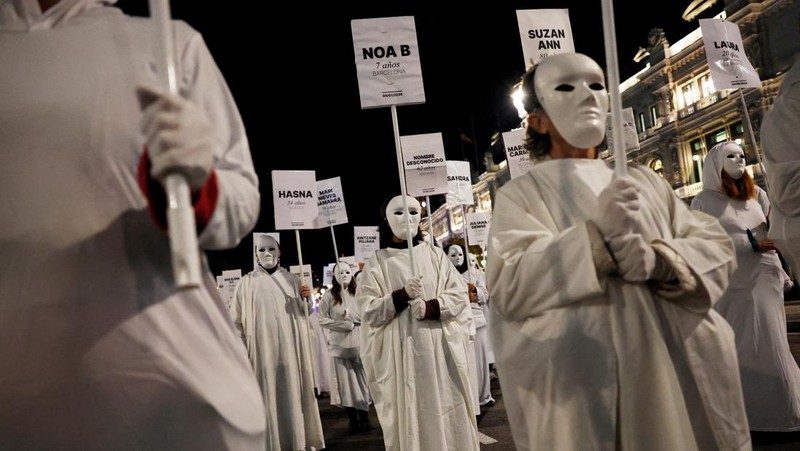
[414, 341]
[753, 302]
[269, 310]
[478, 295]
[602, 290]
[339, 314]
[98, 348]
[780, 141]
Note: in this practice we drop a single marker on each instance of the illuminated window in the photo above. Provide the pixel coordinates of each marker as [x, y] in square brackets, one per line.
[707, 85]
[689, 94]
[653, 115]
[642, 126]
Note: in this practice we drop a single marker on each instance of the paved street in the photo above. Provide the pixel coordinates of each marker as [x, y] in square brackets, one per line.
[494, 423]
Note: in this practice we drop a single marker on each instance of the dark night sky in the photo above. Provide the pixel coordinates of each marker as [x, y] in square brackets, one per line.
[307, 84]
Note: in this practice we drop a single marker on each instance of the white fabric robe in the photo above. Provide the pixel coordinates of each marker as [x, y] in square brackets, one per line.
[481, 382]
[588, 363]
[417, 370]
[753, 306]
[98, 349]
[271, 315]
[343, 323]
[322, 358]
[780, 143]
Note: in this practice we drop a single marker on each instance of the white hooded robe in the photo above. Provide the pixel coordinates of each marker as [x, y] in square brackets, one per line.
[98, 348]
[753, 305]
[417, 369]
[588, 363]
[271, 314]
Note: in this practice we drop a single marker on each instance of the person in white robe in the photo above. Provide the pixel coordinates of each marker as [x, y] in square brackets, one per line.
[322, 358]
[478, 295]
[472, 260]
[99, 349]
[414, 339]
[270, 312]
[601, 291]
[753, 302]
[780, 143]
[339, 314]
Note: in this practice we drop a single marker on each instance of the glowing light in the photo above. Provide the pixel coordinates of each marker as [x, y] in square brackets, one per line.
[516, 97]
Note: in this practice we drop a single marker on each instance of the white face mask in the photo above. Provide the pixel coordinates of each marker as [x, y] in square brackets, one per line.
[267, 251]
[456, 255]
[397, 219]
[571, 89]
[473, 261]
[343, 274]
[733, 161]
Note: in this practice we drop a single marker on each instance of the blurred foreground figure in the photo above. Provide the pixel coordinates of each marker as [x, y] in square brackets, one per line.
[270, 313]
[780, 141]
[602, 290]
[753, 302]
[98, 349]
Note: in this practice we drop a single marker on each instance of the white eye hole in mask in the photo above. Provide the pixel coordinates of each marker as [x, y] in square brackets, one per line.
[733, 161]
[343, 274]
[456, 255]
[397, 218]
[267, 251]
[571, 89]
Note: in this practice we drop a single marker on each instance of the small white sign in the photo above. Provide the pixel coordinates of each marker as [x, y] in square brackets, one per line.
[517, 157]
[630, 137]
[366, 240]
[387, 61]
[730, 68]
[478, 228]
[544, 32]
[424, 163]
[294, 196]
[230, 278]
[459, 183]
[330, 203]
[327, 274]
[306, 277]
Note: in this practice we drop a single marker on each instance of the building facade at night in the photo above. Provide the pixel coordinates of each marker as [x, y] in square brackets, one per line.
[679, 114]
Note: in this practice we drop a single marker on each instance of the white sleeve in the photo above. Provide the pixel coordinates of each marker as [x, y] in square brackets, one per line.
[238, 200]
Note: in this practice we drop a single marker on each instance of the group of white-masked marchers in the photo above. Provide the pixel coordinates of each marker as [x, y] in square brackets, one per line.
[617, 316]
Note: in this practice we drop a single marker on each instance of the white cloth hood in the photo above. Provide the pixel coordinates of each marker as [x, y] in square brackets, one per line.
[26, 15]
[712, 166]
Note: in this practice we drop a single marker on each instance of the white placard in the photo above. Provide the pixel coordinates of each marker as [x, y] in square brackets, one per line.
[295, 269]
[220, 284]
[230, 278]
[544, 32]
[350, 260]
[424, 163]
[478, 228]
[275, 235]
[366, 240]
[730, 68]
[294, 196]
[459, 183]
[517, 157]
[630, 137]
[327, 274]
[330, 203]
[387, 61]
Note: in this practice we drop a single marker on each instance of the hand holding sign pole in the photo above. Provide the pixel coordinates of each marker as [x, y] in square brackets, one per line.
[294, 196]
[612, 72]
[730, 68]
[180, 214]
[389, 74]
